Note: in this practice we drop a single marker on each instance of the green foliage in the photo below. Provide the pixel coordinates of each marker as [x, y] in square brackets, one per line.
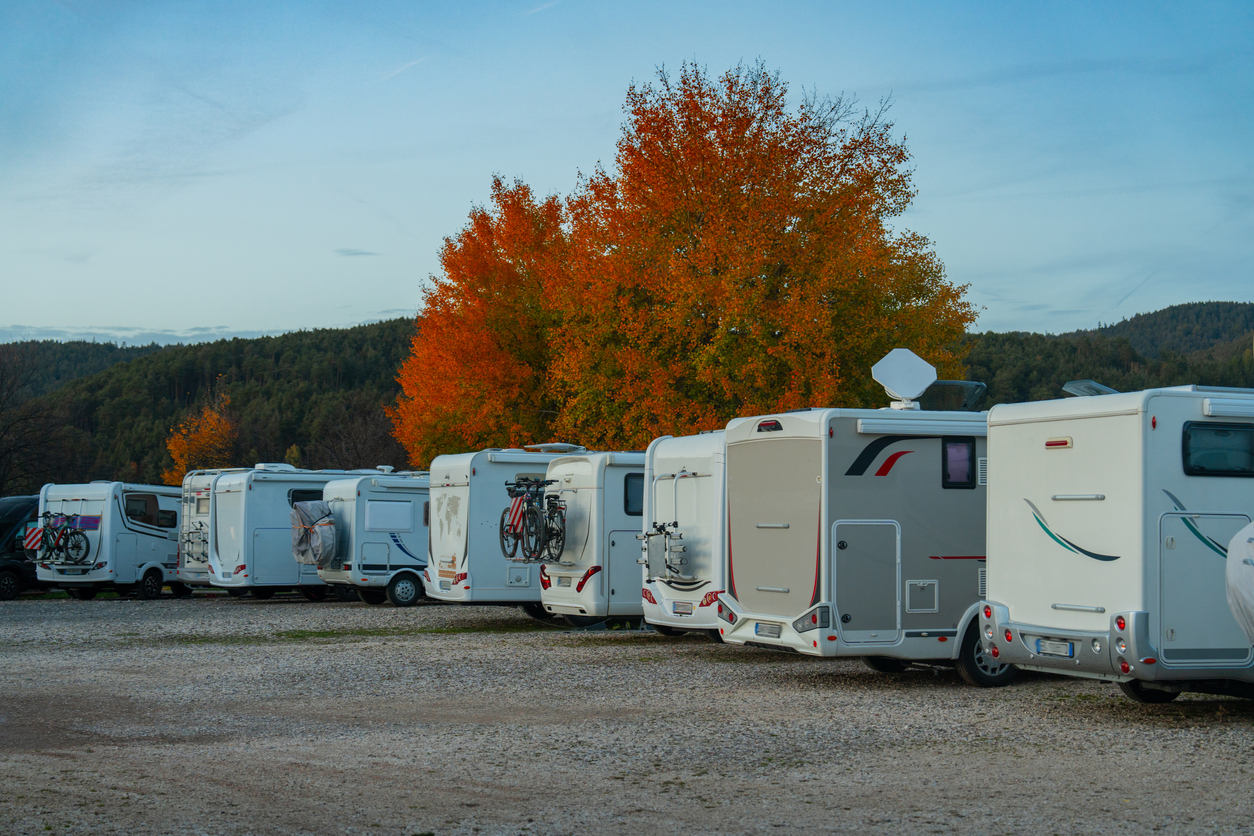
[58, 363]
[1184, 329]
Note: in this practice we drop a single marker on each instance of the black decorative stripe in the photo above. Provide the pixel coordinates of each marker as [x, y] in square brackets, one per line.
[927, 634]
[872, 450]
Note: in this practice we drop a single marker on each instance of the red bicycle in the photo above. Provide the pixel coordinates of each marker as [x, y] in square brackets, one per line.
[62, 541]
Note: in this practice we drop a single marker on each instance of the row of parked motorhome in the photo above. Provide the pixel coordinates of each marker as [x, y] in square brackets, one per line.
[1105, 547]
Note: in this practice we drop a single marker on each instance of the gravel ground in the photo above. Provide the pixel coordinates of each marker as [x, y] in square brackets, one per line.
[217, 715]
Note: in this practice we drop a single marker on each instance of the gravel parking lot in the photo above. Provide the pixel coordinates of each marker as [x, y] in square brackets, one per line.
[217, 715]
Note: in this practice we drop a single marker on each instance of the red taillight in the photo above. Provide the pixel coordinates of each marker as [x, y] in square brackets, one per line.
[988, 611]
[814, 618]
[731, 617]
[239, 569]
[545, 582]
[720, 606]
[1120, 623]
[1009, 638]
[710, 598]
[1125, 667]
[648, 596]
[459, 577]
[993, 650]
[586, 575]
[1149, 660]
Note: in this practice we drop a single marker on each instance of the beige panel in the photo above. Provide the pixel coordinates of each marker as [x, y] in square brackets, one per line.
[772, 483]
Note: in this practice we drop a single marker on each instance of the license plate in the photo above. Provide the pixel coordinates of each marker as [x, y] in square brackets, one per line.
[682, 608]
[770, 631]
[1045, 647]
[563, 581]
[445, 586]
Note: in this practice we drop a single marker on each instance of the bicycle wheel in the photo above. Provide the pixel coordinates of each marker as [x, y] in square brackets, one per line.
[509, 539]
[533, 537]
[77, 546]
[556, 540]
[56, 547]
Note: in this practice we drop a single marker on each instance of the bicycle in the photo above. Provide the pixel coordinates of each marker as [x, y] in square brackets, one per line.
[534, 519]
[62, 540]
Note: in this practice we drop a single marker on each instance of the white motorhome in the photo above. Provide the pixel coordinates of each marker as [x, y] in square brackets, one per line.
[250, 541]
[197, 518]
[132, 535]
[685, 531]
[465, 564]
[860, 532]
[1108, 537]
[597, 575]
[381, 524]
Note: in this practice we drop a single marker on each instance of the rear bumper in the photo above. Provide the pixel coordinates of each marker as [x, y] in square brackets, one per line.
[663, 611]
[737, 626]
[193, 577]
[445, 589]
[1093, 654]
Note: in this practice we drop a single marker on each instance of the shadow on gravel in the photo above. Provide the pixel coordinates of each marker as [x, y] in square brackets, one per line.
[498, 627]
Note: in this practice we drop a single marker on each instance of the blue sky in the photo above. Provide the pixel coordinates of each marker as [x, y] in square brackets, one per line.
[186, 171]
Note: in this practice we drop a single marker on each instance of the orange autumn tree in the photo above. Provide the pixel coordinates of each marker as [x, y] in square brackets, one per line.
[204, 440]
[478, 372]
[738, 260]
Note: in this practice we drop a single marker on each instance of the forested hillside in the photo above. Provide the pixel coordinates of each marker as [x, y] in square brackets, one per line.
[1182, 329]
[58, 363]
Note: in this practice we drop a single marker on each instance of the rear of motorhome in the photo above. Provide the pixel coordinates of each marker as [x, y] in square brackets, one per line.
[685, 532]
[596, 576]
[1108, 538]
[859, 533]
[381, 524]
[131, 534]
[465, 564]
[197, 526]
[250, 544]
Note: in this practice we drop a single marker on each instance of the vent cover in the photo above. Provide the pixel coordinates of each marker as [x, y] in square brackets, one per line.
[982, 467]
[983, 584]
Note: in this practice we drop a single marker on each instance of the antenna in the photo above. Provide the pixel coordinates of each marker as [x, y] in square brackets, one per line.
[904, 376]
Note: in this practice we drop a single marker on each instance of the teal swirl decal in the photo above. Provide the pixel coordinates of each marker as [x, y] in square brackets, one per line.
[1210, 543]
[1063, 541]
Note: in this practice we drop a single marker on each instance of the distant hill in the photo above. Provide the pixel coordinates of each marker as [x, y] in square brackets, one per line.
[58, 363]
[1183, 329]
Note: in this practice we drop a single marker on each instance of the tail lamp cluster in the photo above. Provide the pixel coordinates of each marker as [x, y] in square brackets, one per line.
[1121, 646]
[711, 598]
[648, 596]
[459, 577]
[820, 617]
[586, 577]
[545, 580]
[725, 613]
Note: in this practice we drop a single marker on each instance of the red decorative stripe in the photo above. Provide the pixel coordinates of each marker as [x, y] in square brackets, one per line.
[889, 462]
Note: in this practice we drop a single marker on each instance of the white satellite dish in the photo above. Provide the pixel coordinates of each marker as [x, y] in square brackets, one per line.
[904, 376]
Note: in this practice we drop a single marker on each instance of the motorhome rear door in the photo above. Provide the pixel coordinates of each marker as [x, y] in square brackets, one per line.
[1196, 628]
[868, 579]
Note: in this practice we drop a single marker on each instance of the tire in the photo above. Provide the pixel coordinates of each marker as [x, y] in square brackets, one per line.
[509, 540]
[314, 594]
[346, 593]
[537, 611]
[149, 586]
[77, 546]
[978, 669]
[715, 635]
[662, 629]
[261, 593]
[10, 586]
[884, 664]
[404, 590]
[235, 592]
[555, 535]
[579, 622]
[1135, 690]
[82, 594]
[373, 597]
[181, 590]
[533, 536]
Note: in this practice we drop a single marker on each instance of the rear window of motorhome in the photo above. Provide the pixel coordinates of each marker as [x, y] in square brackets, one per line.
[1218, 449]
[295, 496]
[426, 514]
[958, 463]
[633, 494]
[167, 519]
[202, 505]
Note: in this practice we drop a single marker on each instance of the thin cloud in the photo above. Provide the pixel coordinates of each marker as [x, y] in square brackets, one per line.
[353, 253]
[403, 67]
[541, 8]
[1033, 72]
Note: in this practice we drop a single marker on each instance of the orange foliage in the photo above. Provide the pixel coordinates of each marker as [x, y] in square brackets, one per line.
[205, 440]
[477, 375]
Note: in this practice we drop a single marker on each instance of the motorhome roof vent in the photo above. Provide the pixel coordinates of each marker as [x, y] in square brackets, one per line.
[555, 447]
[385, 468]
[275, 466]
[1086, 388]
[904, 376]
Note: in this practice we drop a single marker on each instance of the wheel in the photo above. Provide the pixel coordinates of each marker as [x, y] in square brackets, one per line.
[344, 592]
[404, 590]
[10, 586]
[150, 585]
[977, 668]
[82, 594]
[373, 597]
[537, 611]
[555, 534]
[667, 631]
[124, 590]
[235, 592]
[181, 590]
[509, 539]
[77, 546]
[314, 593]
[884, 664]
[261, 593]
[1135, 690]
[533, 533]
[582, 621]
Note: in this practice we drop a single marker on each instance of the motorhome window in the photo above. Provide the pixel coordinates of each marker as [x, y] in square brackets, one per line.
[426, 514]
[202, 505]
[303, 496]
[167, 519]
[141, 507]
[633, 494]
[1218, 449]
[958, 463]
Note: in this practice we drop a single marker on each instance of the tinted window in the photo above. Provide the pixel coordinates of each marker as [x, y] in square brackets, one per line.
[304, 496]
[141, 507]
[426, 514]
[167, 519]
[633, 494]
[958, 463]
[1218, 449]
